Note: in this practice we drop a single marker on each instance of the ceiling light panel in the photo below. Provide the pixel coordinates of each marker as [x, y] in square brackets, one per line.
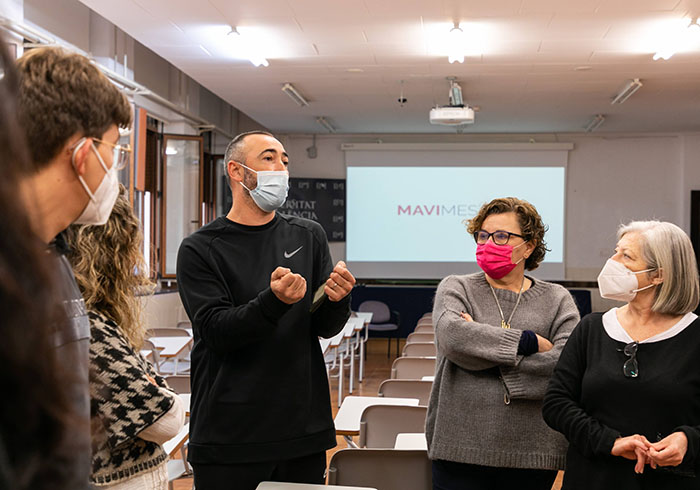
[477, 38]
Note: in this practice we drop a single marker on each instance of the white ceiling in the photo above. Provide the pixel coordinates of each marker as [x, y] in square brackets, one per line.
[545, 65]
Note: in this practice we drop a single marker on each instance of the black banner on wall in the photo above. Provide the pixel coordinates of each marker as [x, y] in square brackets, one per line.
[321, 200]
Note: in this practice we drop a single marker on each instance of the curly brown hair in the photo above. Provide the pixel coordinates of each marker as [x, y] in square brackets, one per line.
[110, 269]
[530, 221]
[62, 94]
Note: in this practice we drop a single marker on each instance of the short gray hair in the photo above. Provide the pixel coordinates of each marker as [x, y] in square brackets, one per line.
[667, 248]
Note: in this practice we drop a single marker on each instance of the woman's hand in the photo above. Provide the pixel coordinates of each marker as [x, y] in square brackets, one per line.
[466, 316]
[543, 345]
[633, 447]
[669, 451]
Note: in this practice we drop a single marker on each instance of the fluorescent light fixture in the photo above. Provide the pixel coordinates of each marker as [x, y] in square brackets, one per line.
[294, 94]
[247, 48]
[456, 42]
[326, 125]
[594, 123]
[630, 87]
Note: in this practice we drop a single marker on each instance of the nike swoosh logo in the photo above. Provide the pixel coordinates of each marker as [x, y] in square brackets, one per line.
[289, 255]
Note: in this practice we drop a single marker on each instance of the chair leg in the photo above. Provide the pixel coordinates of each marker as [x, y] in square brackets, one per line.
[388, 346]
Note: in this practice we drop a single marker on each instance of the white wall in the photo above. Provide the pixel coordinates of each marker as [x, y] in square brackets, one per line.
[611, 179]
[162, 310]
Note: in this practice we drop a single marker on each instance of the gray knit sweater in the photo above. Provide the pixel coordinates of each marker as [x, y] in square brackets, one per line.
[486, 402]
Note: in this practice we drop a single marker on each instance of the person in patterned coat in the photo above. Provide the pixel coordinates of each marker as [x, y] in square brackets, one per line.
[133, 412]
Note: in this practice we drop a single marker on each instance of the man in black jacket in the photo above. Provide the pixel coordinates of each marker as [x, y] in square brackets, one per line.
[260, 400]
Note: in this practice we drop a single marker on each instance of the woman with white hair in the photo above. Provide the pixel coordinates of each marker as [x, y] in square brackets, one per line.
[626, 389]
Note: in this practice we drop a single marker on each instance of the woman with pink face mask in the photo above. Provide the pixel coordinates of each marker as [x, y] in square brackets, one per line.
[498, 335]
[626, 390]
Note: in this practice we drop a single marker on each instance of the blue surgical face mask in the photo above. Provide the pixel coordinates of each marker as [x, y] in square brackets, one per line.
[272, 189]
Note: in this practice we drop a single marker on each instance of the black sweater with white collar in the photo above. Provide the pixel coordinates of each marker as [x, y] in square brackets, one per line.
[592, 403]
[259, 386]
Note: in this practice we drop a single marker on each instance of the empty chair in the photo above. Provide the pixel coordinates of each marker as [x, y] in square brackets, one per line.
[380, 424]
[425, 329]
[419, 349]
[383, 469]
[179, 383]
[407, 388]
[425, 321]
[152, 352]
[413, 367]
[383, 320]
[420, 337]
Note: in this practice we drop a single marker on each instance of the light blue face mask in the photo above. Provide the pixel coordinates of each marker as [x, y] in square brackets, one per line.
[272, 189]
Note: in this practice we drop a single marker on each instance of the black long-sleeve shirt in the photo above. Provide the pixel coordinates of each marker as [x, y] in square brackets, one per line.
[592, 403]
[259, 385]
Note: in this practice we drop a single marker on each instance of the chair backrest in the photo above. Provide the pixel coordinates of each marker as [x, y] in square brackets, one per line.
[180, 383]
[420, 349]
[167, 332]
[424, 329]
[425, 321]
[420, 337]
[413, 367]
[148, 346]
[380, 311]
[428, 315]
[383, 469]
[407, 388]
[380, 424]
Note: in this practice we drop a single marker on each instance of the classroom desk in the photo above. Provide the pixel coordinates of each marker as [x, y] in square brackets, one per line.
[175, 444]
[343, 336]
[271, 485]
[347, 420]
[357, 325]
[325, 344]
[367, 319]
[411, 440]
[171, 347]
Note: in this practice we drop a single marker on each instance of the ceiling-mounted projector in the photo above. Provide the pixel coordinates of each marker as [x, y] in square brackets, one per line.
[452, 116]
[455, 114]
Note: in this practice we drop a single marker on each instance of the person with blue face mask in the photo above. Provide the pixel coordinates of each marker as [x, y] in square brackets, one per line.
[260, 406]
